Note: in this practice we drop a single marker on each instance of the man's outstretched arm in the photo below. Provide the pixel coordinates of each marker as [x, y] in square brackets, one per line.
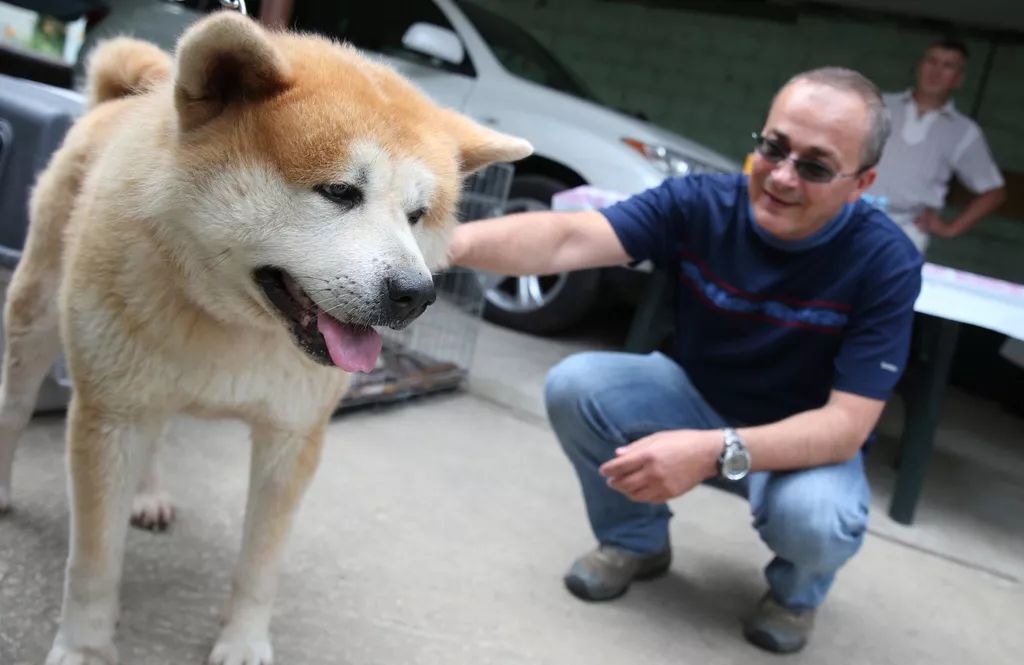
[537, 243]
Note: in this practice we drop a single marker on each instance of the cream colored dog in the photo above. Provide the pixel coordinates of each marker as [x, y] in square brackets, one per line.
[217, 236]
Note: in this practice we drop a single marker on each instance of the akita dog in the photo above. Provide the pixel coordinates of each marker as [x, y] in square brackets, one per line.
[218, 235]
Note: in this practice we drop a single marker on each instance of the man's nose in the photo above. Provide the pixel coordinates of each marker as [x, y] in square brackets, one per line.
[407, 295]
[785, 174]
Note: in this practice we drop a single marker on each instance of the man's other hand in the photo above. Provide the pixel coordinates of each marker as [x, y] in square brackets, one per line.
[664, 465]
[930, 222]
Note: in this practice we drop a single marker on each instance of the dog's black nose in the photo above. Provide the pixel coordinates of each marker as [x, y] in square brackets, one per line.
[408, 296]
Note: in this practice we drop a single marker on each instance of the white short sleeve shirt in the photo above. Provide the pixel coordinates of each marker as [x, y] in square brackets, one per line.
[924, 152]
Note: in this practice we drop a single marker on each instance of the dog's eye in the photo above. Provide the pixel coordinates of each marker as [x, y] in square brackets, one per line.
[416, 215]
[347, 196]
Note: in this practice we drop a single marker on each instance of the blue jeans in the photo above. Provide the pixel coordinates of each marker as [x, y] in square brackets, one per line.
[812, 519]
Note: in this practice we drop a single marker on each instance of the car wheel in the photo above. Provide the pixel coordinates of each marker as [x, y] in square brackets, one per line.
[539, 304]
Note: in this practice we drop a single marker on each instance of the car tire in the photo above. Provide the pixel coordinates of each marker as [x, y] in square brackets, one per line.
[539, 304]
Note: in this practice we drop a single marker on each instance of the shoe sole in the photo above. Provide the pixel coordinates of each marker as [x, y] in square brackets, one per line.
[763, 640]
[577, 588]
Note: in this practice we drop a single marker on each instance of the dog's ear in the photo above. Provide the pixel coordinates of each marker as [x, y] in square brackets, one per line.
[223, 60]
[480, 146]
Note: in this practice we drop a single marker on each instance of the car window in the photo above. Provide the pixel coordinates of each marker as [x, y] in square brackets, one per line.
[520, 53]
[376, 25]
[252, 7]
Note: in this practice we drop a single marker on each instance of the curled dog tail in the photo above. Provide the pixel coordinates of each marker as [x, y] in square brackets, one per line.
[124, 66]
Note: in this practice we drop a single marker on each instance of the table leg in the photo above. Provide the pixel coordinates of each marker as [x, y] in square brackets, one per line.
[923, 407]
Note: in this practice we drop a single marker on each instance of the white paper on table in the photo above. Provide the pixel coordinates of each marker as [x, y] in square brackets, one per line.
[968, 298]
[585, 197]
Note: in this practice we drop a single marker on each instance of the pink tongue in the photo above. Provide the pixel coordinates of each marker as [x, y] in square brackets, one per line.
[352, 348]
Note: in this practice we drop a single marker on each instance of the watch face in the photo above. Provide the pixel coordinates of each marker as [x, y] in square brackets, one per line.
[736, 465]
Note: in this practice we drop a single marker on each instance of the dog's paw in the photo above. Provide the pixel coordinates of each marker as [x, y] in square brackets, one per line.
[241, 651]
[152, 510]
[60, 655]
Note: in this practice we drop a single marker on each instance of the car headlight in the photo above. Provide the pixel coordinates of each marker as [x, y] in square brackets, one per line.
[668, 161]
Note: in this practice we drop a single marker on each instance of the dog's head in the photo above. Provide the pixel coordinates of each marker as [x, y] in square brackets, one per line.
[322, 185]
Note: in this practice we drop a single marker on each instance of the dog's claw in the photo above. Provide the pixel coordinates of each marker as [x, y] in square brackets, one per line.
[154, 511]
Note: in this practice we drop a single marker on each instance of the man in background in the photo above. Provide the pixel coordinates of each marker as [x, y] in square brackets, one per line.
[930, 142]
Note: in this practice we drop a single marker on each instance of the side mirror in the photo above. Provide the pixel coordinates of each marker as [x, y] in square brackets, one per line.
[434, 41]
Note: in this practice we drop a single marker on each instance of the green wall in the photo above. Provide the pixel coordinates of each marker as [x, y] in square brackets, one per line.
[711, 77]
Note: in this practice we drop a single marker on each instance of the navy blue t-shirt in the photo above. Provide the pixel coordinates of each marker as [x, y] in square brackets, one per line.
[765, 328]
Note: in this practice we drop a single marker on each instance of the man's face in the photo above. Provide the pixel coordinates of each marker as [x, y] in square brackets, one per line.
[941, 71]
[813, 122]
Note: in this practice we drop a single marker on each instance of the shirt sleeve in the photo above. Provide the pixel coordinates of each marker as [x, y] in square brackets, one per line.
[876, 343]
[973, 163]
[648, 223]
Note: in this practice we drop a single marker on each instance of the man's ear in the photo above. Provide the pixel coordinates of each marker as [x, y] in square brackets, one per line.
[222, 60]
[480, 146]
[864, 182]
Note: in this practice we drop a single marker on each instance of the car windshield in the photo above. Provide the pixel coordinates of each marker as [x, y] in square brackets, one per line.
[521, 54]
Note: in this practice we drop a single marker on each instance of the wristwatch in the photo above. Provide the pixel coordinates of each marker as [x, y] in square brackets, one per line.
[734, 462]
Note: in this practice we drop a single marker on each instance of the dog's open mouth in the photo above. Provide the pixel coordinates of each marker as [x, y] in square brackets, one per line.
[352, 347]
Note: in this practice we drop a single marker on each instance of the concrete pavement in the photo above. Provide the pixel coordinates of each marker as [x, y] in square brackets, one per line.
[436, 532]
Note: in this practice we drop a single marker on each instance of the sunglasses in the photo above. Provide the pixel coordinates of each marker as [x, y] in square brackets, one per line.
[808, 169]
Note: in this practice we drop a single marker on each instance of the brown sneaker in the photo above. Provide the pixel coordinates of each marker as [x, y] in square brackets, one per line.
[774, 628]
[606, 572]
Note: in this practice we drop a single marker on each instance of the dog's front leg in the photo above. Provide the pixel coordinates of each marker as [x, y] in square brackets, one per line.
[105, 456]
[282, 466]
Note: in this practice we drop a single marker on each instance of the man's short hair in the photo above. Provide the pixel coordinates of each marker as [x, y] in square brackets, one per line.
[950, 43]
[849, 80]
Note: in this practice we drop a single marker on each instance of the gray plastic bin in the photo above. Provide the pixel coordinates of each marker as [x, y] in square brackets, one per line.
[34, 118]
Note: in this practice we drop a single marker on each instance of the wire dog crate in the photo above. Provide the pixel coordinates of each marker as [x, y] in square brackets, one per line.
[434, 353]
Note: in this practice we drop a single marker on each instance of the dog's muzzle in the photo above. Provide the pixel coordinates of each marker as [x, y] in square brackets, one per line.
[345, 339]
